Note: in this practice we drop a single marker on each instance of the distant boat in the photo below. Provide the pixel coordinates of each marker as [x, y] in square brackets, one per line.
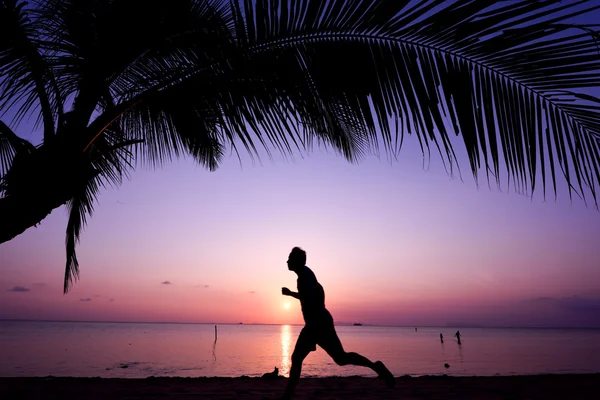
[241, 323]
[357, 324]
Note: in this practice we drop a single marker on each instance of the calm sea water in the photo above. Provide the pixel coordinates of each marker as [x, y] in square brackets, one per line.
[104, 349]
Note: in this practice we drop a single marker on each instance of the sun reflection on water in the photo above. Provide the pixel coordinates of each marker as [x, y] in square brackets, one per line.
[286, 349]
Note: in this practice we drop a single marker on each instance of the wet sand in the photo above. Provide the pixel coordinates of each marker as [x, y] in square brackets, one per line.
[547, 387]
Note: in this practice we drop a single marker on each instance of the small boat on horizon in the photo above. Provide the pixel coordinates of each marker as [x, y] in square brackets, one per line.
[357, 324]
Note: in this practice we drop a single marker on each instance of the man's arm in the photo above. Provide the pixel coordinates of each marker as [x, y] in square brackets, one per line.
[287, 292]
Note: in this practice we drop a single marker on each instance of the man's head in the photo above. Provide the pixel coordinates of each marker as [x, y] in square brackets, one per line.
[296, 259]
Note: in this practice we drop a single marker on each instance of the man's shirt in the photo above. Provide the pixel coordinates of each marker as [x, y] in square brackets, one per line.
[312, 296]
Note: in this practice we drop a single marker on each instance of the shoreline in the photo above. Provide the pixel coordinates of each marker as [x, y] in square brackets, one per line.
[547, 387]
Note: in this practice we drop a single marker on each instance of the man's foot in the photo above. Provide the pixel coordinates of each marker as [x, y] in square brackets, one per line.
[385, 374]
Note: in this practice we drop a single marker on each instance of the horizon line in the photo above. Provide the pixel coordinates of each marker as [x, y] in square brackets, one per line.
[343, 323]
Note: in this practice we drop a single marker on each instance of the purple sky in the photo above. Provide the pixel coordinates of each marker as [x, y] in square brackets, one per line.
[392, 243]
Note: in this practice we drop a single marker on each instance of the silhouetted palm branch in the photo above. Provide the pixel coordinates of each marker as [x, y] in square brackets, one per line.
[504, 77]
[27, 78]
[10, 146]
[78, 207]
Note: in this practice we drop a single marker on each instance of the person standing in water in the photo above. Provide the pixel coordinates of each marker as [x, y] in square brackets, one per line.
[319, 328]
[457, 334]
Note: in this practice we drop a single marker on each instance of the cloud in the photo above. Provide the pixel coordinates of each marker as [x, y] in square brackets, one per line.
[203, 286]
[19, 289]
[111, 300]
[86, 299]
[166, 283]
[252, 292]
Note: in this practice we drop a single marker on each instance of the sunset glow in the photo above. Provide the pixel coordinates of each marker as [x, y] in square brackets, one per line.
[391, 244]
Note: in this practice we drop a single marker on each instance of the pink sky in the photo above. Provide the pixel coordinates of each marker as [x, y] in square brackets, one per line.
[391, 244]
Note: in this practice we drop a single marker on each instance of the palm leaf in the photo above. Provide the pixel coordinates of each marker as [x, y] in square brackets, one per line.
[79, 207]
[27, 79]
[98, 50]
[505, 78]
[501, 77]
[11, 146]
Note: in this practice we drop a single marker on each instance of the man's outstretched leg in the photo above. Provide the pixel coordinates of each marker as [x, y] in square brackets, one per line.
[304, 345]
[334, 348]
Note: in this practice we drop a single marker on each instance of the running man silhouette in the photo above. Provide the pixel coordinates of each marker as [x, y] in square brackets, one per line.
[319, 328]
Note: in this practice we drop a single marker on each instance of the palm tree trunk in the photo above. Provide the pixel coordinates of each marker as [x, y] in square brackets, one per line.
[19, 212]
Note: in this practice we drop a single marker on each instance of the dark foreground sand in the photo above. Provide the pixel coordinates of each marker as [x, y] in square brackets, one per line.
[547, 387]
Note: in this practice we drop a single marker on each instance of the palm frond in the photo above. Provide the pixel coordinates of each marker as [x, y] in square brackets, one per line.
[11, 146]
[124, 47]
[79, 207]
[25, 76]
[195, 36]
[504, 77]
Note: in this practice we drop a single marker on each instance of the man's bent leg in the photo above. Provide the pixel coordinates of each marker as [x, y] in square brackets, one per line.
[304, 345]
[330, 342]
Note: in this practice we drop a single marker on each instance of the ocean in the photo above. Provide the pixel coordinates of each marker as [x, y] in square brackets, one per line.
[139, 350]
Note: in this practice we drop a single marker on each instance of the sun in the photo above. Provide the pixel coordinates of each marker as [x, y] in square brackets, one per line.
[286, 306]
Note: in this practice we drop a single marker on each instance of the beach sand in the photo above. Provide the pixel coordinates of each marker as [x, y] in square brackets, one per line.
[547, 387]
